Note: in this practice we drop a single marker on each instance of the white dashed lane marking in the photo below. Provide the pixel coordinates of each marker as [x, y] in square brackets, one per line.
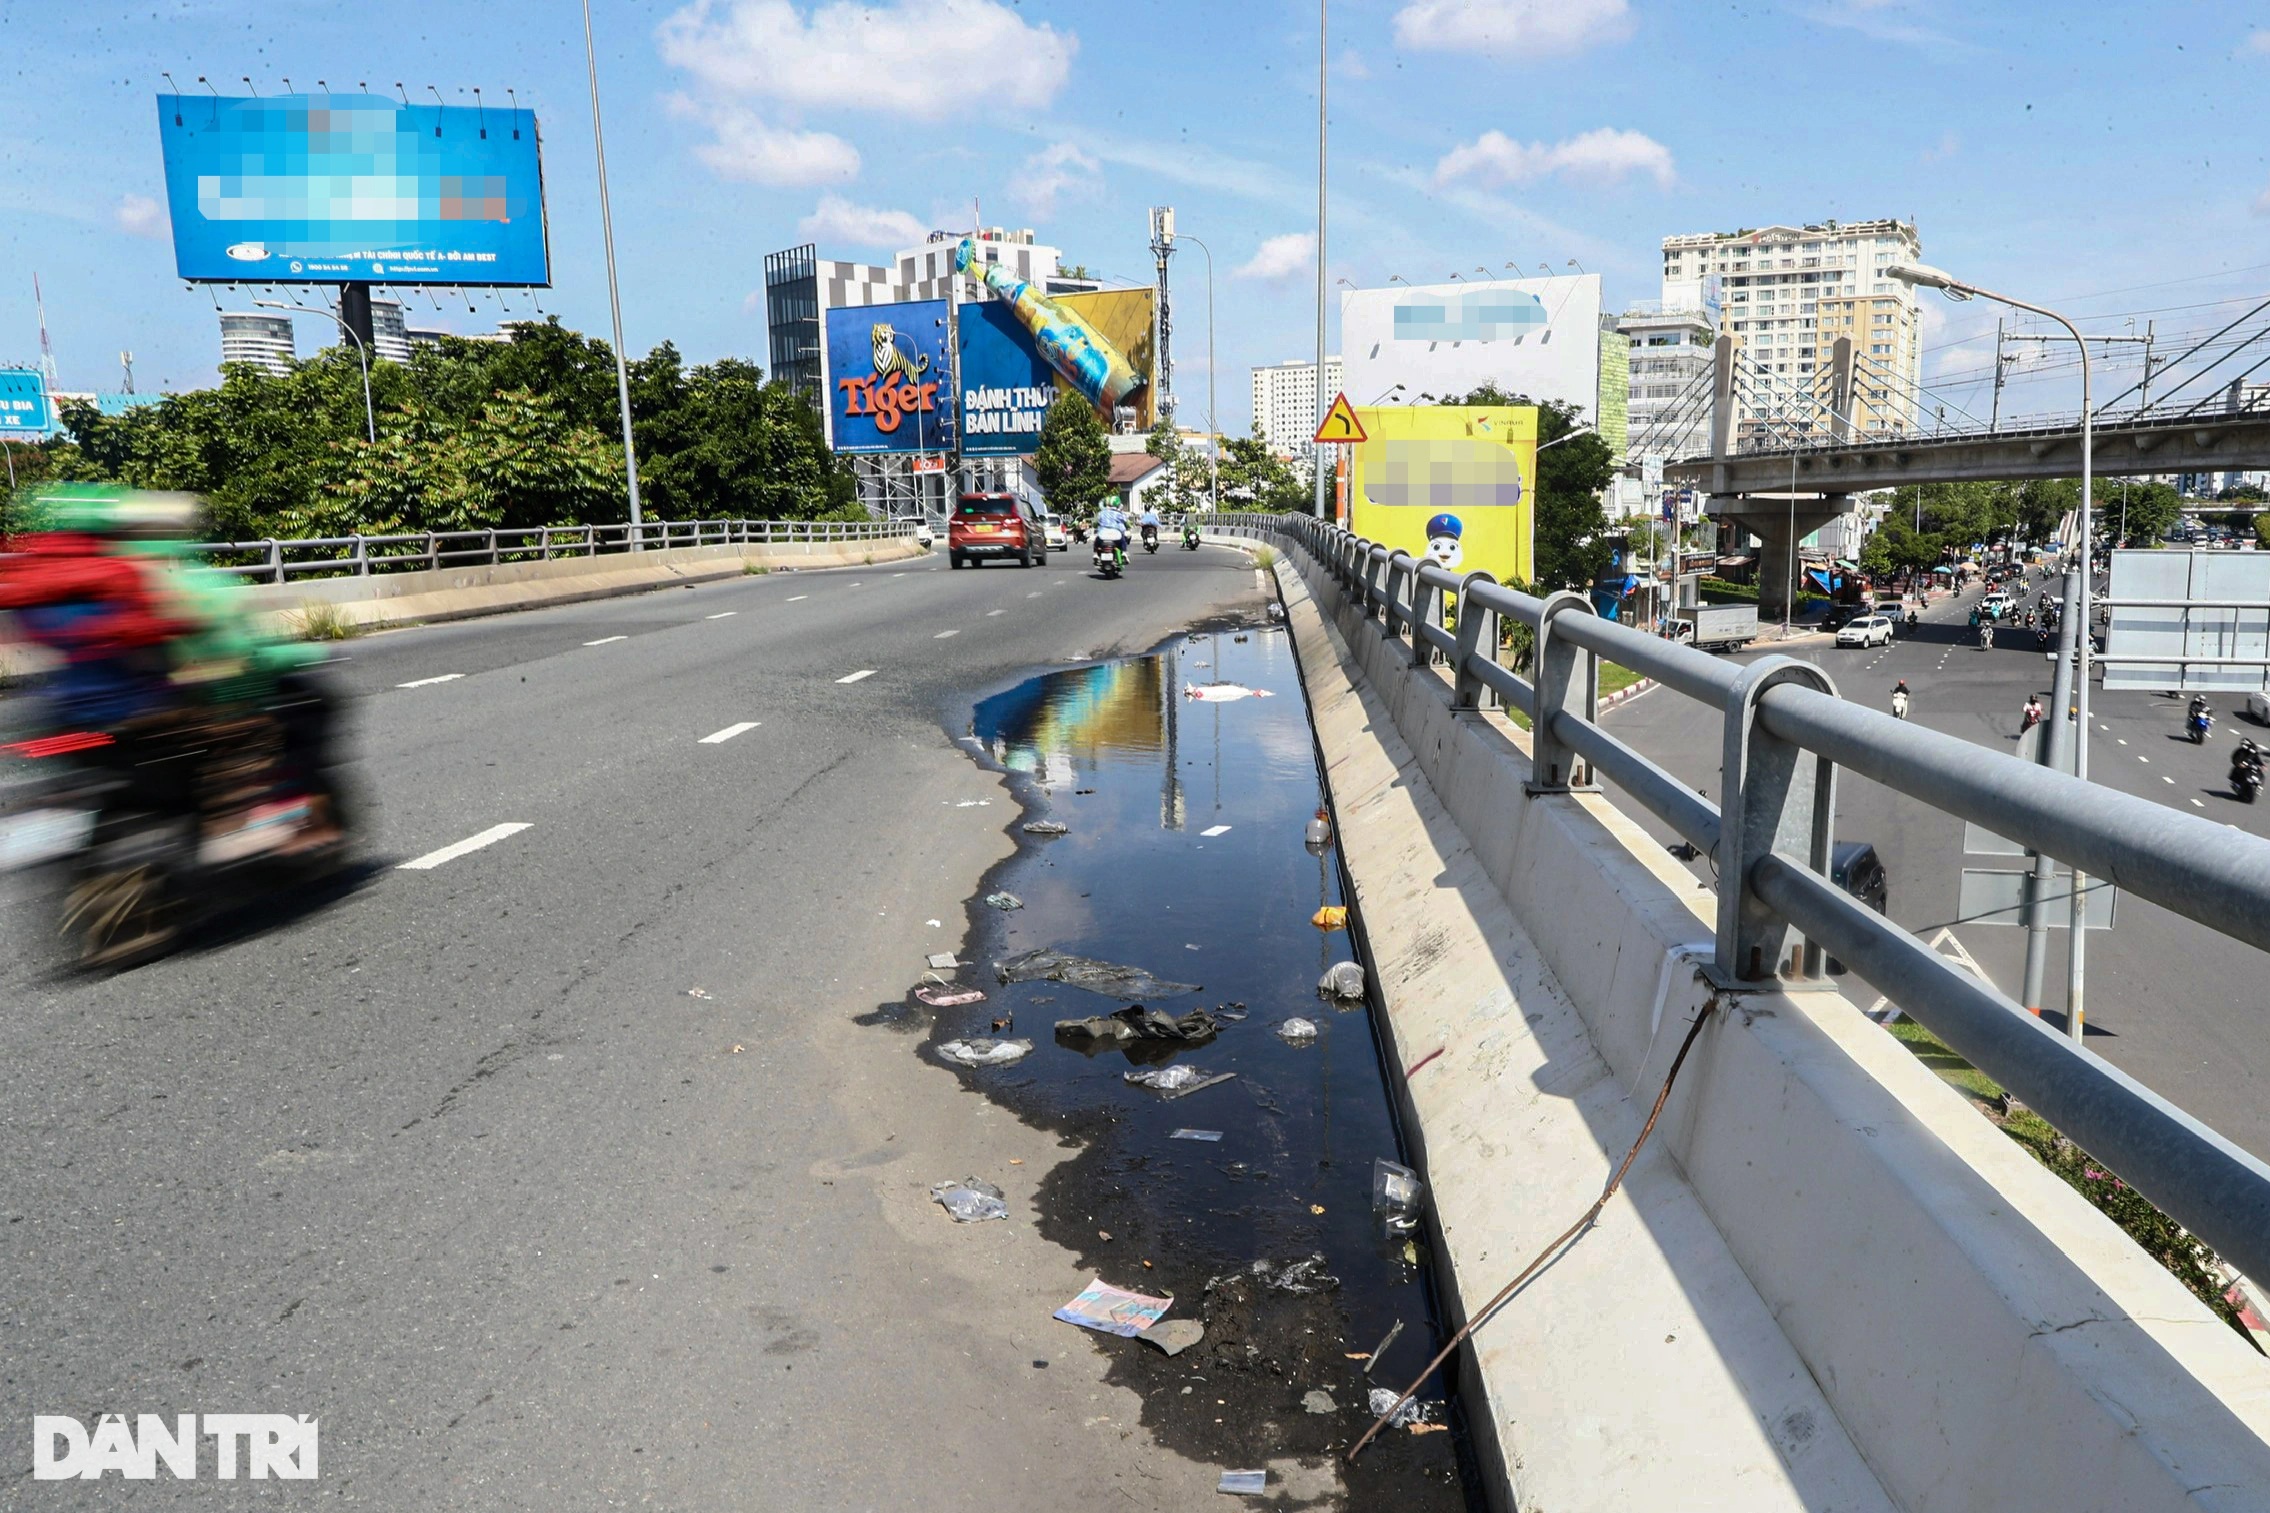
[604, 640]
[1215, 830]
[446, 677]
[989, 614]
[722, 615]
[792, 598]
[942, 635]
[450, 853]
[720, 737]
[865, 672]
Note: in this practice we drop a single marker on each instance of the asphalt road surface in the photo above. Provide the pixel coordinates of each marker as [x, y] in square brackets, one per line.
[2168, 1001]
[554, 1174]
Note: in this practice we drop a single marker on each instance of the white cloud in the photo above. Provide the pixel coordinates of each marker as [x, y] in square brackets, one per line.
[1281, 258]
[1948, 145]
[1351, 65]
[2262, 203]
[751, 150]
[1529, 28]
[1605, 154]
[139, 215]
[2257, 44]
[838, 221]
[1055, 170]
[925, 59]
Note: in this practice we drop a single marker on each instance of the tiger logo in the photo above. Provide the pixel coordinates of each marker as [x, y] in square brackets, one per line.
[891, 357]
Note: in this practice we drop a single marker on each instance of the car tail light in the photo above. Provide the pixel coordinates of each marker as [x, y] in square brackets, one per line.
[58, 745]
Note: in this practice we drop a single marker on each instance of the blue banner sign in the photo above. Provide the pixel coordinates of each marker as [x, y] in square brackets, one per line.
[352, 189]
[1006, 385]
[24, 406]
[890, 384]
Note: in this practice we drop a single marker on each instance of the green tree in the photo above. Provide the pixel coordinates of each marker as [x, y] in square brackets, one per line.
[719, 442]
[1256, 478]
[1072, 463]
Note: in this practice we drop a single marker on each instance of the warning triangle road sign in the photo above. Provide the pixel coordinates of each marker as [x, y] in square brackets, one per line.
[1340, 423]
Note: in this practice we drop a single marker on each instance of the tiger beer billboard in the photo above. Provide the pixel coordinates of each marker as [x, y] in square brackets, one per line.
[889, 379]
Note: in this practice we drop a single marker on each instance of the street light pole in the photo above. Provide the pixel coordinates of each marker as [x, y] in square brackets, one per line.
[614, 294]
[1323, 401]
[1213, 431]
[362, 355]
[2076, 970]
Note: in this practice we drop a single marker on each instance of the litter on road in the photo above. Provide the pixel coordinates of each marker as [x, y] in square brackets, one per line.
[1173, 1336]
[1381, 1349]
[1395, 1194]
[1113, 1310]
[1330, 917]
[1176, 1081]
[942, 960]
[1082, 972]
[1318, 1401]
[1003, 901]
[1214, 1135]
[1297, 1031]
[1319, 832]
[1045, 827]
[949, 998]
[1381, 1402]
[1139, 1023]
[1224, 693]
[1244, 1483]
[1299, 1278]
[1345, 982]
[1213, 830]
[969, 1200]
[983, 1051]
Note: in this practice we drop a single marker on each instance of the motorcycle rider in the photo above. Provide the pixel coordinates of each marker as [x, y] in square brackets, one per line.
[2195, 711]
[1150, 523]
[1111, 532]
[1986, 636]
[1190, 532]
[2246, 760]
[1899, 700]
[2030, 716]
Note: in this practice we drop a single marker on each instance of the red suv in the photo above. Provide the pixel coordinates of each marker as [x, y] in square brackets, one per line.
[996, 525]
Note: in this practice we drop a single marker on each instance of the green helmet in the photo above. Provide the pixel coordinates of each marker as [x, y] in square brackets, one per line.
[108, 509]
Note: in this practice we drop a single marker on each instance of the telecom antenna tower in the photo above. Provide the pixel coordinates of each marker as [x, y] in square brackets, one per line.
[47, 352]
[1162, 318]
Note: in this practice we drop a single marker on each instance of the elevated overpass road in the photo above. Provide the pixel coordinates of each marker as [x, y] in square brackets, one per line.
[556, 1174]
[2168, 1001]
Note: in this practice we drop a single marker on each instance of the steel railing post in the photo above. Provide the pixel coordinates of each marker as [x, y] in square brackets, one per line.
[1399, 563]
[492, 547]
[433, 553]
[1477, 639]
[1565, 678]
[275, 561]
[1778, 797]
[1375, 565]
[1426, 606]
[362, 558]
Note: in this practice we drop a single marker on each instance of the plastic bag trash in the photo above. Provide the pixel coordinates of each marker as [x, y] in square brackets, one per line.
[1276, 611]
[949, 997]
[1345, 982]
[1045, 827]
[981, 1051]
[1297, 1031]
[1317, 1400]
[969, 1200]
[1176, 1081]
[1330, 917]
[1223, 693]
[1139, 1023]
[1131, 983]
[1382, 1400]
[1319, 831]
[1244, 1483]
[1395, 1194]
[1003, 901]
[1113, 1310]
[1300, 1277]
[1213, 1135]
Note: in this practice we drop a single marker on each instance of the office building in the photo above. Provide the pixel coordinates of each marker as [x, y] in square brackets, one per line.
[1285, 403]
[1776, 284]
[260, 340]
[389, 334]
[1670, 350]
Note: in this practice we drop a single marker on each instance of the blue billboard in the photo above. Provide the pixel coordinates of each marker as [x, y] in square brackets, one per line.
[352, 188]
[24, 407]
[1007, 386]
[890, 385]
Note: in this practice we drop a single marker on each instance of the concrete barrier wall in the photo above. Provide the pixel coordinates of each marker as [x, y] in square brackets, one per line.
[1978, 1333]
[462, 592]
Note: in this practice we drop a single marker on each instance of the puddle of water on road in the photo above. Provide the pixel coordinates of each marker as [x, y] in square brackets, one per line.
[1139, 770]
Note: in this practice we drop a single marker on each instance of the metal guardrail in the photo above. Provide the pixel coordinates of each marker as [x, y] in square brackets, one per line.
[1785, 733]
[280, 560]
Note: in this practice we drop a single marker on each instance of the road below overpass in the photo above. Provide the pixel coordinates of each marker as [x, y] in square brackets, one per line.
[555, 1174]
[2168, 1001]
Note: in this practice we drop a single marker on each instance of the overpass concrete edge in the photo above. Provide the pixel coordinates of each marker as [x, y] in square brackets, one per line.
[1976, 1329]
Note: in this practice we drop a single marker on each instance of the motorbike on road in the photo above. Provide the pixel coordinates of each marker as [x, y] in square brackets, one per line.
[1189, 536]
[1150, 538]
[1111, 553]
[2197, 723]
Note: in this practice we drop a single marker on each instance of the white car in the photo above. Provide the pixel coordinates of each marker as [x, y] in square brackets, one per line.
[1871, 630]
[1053, 529]
[2258, 707]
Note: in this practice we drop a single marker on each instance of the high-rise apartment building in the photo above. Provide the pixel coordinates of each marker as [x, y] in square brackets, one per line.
[1670, 377]
[389, 334]
[1777, 283]
[264, 341]
[1285, 402]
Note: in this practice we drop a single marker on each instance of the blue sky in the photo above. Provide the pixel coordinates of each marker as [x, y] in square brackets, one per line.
[2111, 157]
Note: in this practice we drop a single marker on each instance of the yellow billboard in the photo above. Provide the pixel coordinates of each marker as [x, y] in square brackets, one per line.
[1451, 482]
[1123, 317]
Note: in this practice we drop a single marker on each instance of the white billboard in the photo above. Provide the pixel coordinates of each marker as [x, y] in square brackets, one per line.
[2203, 623]
[1538, 338]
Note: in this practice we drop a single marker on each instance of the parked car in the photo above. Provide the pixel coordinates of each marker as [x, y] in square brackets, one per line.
[996, 527]
[1868, 630]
